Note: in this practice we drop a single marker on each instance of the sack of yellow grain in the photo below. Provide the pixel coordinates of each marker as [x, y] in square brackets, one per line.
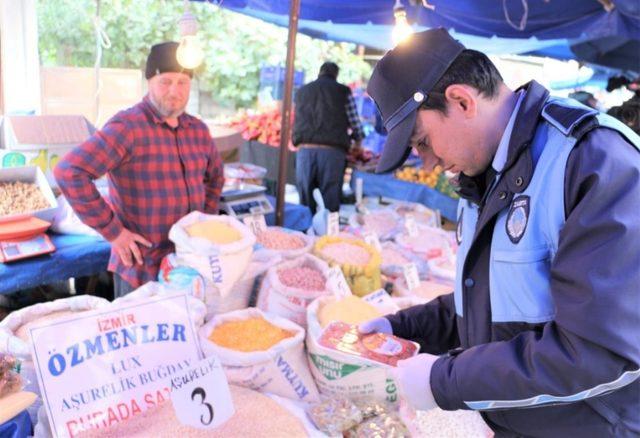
[340, 374]
[261, 352]
[15, 339]
[218, 247]
[360, 263]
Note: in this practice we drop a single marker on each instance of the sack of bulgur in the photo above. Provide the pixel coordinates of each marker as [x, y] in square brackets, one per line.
[289, 287]
[261, 352]
[218, 247]
[15, 340]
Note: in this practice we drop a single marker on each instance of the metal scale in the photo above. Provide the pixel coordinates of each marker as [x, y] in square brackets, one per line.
[244, 200]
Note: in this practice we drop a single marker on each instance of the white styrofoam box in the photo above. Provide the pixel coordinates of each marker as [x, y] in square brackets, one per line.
[30, 174]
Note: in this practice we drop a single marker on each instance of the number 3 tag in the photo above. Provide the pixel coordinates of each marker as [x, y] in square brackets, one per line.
[201, 396]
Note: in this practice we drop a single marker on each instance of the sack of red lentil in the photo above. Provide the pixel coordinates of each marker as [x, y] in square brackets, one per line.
[283, 242]
[15, 340]
[262, 352]
[218, 247]
[341, 374]
[289, 287]
[197, 309]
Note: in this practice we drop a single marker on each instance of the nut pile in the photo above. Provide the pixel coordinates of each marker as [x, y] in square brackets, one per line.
[21, 197]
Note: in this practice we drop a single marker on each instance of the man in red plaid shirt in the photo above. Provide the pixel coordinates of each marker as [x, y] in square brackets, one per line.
[161, 164]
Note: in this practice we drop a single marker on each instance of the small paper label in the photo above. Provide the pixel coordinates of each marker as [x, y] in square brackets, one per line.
[371, 238]
[337, 283]
[200, 395]
[410, 225]
[359, 190]
[411, 276]
[256, 223]
[381, 300]
[333, 224]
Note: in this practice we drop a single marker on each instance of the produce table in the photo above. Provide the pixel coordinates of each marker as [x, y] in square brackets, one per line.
[388, 186]
[18, 427]
[79, 256]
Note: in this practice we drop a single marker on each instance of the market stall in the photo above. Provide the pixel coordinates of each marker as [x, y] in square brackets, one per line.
[82, 255]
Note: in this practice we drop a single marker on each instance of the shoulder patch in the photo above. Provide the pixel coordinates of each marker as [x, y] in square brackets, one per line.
[565, 118]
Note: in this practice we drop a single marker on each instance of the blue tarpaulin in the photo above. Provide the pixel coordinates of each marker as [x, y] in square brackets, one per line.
[539, 27]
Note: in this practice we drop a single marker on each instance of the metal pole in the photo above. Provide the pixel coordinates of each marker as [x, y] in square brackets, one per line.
[285, 130]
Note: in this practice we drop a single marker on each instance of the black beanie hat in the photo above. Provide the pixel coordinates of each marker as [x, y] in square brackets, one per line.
[162, 59]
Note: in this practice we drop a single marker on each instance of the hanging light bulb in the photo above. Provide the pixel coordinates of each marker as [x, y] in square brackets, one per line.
[189, 54]
[402, 30]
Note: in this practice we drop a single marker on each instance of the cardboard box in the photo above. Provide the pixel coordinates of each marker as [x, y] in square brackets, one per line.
[30, 174]
[41, 140]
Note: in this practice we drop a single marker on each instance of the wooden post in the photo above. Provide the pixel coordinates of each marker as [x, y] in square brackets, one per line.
[285, 131]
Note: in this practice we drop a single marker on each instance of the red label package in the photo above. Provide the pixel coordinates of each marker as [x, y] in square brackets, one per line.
[377, 347]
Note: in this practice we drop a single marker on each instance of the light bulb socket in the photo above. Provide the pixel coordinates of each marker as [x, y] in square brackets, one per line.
[188, 24]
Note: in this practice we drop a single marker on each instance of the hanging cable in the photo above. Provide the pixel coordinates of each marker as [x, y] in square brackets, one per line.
[525, 15]
[102, 42]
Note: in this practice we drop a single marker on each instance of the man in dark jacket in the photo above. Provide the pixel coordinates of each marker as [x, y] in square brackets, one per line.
[326, 123]
[541, 334]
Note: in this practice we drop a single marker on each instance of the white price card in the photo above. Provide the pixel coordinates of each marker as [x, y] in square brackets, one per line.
[410, 225]
[359, 190]
[381, 300]
[333, 224]
[337, 283]
[371, 238]
[256, 222]
[200, 395]
[411, 276]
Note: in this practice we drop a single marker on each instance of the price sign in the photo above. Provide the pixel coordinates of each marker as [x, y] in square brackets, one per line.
[411, 276]
[333, 224]
[381, 300]
[371, 238]
[359, 190]
[410, 225]
[337, 283]
[200, 395]
[256, 223]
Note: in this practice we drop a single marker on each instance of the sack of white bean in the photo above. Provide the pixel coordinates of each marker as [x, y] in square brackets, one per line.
[289, 287]
[337, 373]
[15, 340]
[282, 242]
[218, 247]
[395, 257]
[262, 352]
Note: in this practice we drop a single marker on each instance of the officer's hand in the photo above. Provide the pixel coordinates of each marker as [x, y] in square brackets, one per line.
[376, 325]
[412, 376]
[126, 246]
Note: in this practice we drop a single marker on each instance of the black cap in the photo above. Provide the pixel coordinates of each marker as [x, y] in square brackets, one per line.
[162, 59]
[402, 80]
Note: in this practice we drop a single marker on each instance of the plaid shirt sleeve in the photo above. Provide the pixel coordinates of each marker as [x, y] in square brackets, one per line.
[354, 119]
[213, 181]
[77, 170]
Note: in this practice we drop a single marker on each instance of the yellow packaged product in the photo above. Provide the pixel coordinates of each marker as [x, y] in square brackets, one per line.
[252, 334]
[214, 231]
[360, 262]
[350, 309]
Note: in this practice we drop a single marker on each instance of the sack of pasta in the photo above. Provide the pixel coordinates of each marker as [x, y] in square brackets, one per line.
[289, 287]
[360, 262]
[282, 242]
[337, 373]
[15, 339]
[218, 247]
[261, 352]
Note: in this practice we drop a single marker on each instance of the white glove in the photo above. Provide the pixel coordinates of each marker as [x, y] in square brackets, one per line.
[413, 379]
[376, 325]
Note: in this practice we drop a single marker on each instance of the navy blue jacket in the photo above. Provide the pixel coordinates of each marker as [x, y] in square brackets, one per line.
[595, 283]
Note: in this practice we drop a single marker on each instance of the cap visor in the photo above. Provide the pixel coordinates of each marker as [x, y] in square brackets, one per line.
[396, 147]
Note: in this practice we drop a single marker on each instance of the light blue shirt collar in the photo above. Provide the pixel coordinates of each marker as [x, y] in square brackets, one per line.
[500, 158]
